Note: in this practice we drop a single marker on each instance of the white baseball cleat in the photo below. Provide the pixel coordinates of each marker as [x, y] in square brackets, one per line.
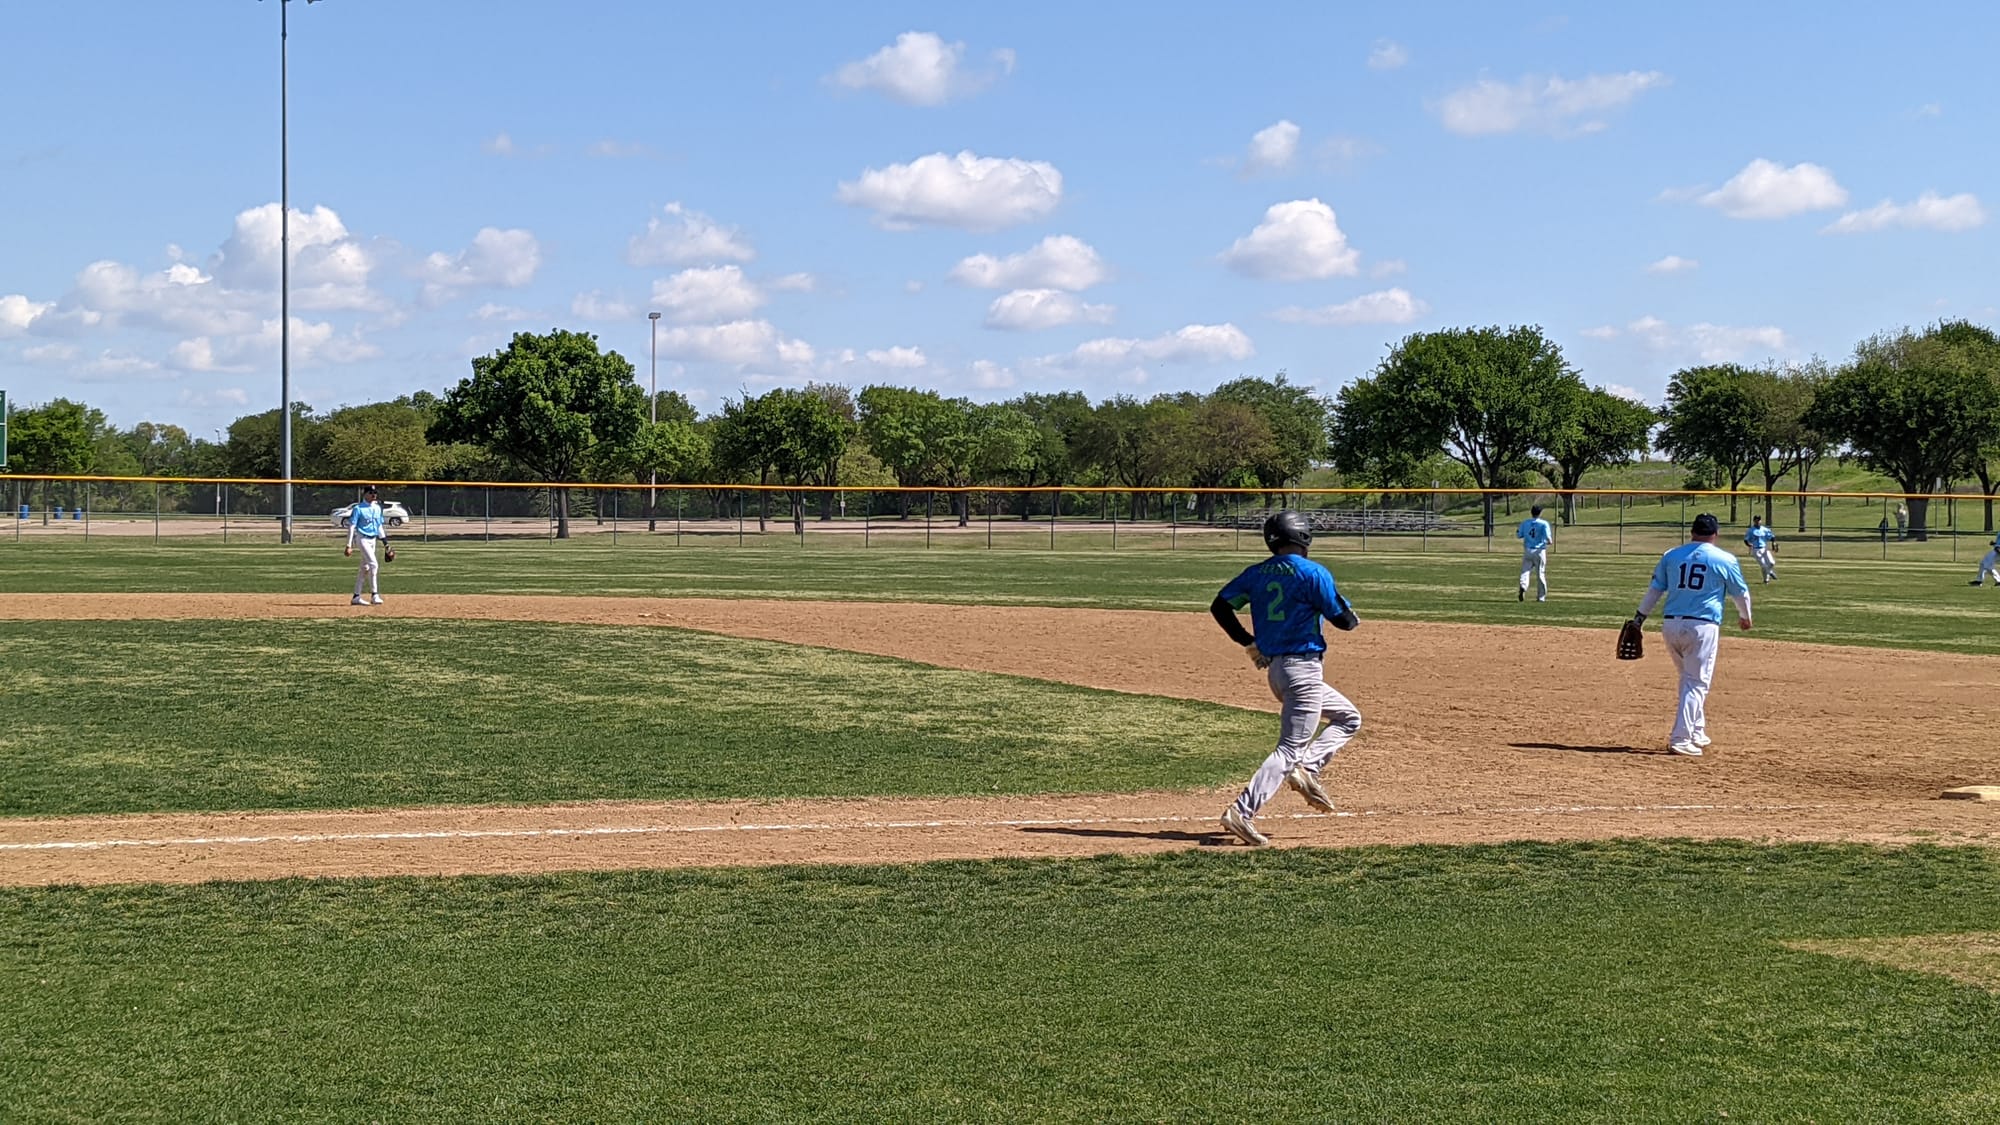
[1239, 826]
[377, 599]
[1309, 787]
[357, 601]
[1701, 740]
[1685, 749]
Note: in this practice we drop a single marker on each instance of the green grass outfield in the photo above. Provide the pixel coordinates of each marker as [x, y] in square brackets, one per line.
[1617, 981]
[1908, 604]
[155, 716]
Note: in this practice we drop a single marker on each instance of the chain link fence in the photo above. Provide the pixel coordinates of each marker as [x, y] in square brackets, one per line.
[1815, 525]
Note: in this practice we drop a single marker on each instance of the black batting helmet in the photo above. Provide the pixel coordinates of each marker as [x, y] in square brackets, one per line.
[1287, 527]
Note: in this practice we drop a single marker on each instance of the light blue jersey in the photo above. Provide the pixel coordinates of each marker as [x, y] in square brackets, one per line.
[1696, 577]
[1535, 533]
[1286, 596]
[1759, 537]
[367, 520]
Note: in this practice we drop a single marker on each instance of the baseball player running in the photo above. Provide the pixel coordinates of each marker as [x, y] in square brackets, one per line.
[1763, 544]
[1990, 565]
[1287, 595]
[366, 526]
[1535, 535]
[1693, 578]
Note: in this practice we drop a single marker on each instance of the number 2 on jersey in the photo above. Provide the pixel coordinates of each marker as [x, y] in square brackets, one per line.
[1276, 610]
[1693, 575]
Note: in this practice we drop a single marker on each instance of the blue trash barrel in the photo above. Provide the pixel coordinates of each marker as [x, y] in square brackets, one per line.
[76, 515]
[24, 511]
[58, 512]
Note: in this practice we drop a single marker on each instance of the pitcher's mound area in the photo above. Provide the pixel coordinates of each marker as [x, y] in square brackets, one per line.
[1470, 733]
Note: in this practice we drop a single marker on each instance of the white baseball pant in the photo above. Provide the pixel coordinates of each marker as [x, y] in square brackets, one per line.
[1767, 561]
[370, 569]
[1535, 561]
[1692, 645]
[1990, 565]
[1305, 697]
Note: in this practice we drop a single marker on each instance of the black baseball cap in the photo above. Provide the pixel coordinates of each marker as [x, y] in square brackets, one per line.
[366, 489]
[1706, 524]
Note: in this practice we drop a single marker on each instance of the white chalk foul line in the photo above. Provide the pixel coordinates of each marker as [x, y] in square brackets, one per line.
[864, 825]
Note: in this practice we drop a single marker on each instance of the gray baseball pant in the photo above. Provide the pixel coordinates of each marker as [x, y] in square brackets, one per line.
[1305, 697]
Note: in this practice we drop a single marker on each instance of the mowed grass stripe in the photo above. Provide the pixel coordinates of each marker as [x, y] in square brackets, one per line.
[1904, 604]
[159, 716]
[1613, 981]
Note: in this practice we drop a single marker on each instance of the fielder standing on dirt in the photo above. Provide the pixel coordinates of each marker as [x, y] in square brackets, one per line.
[366, 526]
[1535, 535]
[1287, 595]
[1693, 578]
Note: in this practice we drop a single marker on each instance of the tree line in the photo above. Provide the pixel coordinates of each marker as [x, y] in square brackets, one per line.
[1484, 407]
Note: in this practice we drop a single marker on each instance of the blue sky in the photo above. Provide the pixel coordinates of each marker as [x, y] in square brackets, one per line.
[1121, 198]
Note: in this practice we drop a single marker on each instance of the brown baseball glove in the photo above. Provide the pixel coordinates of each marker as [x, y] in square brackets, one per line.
[1631, 640]
[388, 554]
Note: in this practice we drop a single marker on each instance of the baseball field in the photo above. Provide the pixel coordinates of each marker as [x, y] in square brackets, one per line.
[581, 832]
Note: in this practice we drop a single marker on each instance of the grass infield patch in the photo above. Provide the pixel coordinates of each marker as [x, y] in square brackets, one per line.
[158, 716]
[1612, 981]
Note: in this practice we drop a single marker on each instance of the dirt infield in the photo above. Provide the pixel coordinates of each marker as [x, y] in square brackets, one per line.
[1470, 734]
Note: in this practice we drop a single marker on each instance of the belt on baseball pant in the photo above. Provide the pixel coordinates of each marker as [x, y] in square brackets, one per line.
[1686, 617]
[1300, 656]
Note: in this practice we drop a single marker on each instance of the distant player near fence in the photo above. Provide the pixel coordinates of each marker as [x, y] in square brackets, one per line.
[1990, 565]
[1763, 544]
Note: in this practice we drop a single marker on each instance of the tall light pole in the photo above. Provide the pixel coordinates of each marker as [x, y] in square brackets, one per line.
[285, 269]
[653, 413]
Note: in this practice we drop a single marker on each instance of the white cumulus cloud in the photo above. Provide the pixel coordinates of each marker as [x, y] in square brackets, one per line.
[685, 237]
[1710, 343]
[1673, 263]
[741, 343]
[713, 293]
[1031, 309]
[1557, 105]
[311, 343]
[598, 305]
[1059, 261]
[1297, 241]
[967, 191]
[1765, 189]
[1195, 343]
[18, 312]
[497, 259]
[920, 68]
[1272, 149]
[1929, 211]
[1389, 306]
[1387, 54]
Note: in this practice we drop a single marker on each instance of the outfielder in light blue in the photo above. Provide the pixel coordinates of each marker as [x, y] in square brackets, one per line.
[1763, 544]
[1287, 595]
[366, 528]
[1693, 579]
[1990, 565]
[1535, 535]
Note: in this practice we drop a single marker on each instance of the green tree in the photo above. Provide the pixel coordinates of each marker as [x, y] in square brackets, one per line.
[1137, 444]
[58, 438]
[840, 401]
[1604, 431]
[786, 433]
[1978, 348]
[1915, 408]
[982, 444]
[1785, 397]
[545, 402]
[1488, 397]
[252, 447]
[1056, 423]
[375, 442]
[1713, 414]
[1296, 419]
[906, 429]
[1229, 445]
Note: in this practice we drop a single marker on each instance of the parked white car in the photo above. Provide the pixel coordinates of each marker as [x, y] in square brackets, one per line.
[392, 512]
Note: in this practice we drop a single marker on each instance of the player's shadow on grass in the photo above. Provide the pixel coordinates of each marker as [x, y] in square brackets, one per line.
[1216, 837]
[1586, 749]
